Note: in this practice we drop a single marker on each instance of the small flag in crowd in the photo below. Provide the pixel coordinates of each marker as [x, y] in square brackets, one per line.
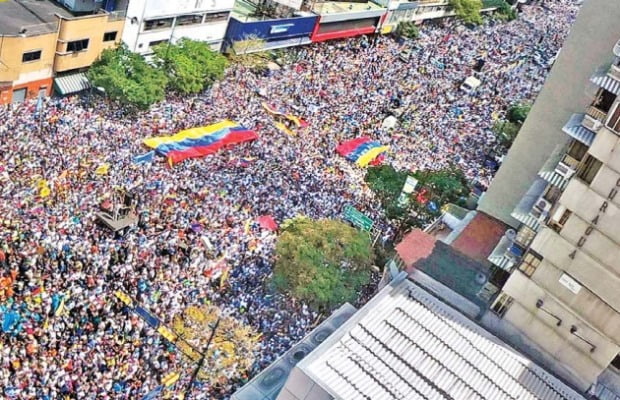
[154, 394]
[144, 158]
[170, 379]
[102, 169]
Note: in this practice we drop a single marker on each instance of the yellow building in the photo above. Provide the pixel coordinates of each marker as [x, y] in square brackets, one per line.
[42, 43]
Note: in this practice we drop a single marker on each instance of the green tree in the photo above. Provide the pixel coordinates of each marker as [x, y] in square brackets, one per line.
[408, 29]
[446, 185]
[517, 113]
[190, 65]
[468, 10]
[387, 183]
[506, 131]
[324, 262]
[126, 77]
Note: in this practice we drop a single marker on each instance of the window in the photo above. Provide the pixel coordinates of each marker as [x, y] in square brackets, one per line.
[589, 169]
[531, 260]
[614, 120]
[616, 362]
[78, 45]
[189, 20]
[161, 23]
[156, 42]
[565, 216]
[215, 17]
[502, 304]
[577, 150]
[604, 100]
[31, 56]
[109, 36]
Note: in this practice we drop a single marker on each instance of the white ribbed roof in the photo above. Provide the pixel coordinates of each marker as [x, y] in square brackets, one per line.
[406, 344]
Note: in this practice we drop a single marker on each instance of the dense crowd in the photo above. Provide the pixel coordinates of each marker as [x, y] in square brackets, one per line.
[65, 334]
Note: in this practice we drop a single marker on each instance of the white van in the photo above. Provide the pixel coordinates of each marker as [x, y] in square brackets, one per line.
[470, 85]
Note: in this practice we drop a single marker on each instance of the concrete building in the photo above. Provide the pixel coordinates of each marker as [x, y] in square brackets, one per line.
[248, 33]
[407, 344]
[152, 22]
[558, 190]
[42, 42]
[420, 10]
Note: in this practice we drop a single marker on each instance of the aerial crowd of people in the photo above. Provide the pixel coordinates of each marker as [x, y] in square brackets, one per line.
[65, 335]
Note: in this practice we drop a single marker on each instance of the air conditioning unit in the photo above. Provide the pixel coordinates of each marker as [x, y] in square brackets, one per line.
[558, 213]
[564, 170]
[591, 123]
[542, 207]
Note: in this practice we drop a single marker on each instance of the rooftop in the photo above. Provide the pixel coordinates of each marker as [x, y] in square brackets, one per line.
[480, 236]
[243, 12]
[440, 261]
[33, 16]
[406, 344]
[336, 7]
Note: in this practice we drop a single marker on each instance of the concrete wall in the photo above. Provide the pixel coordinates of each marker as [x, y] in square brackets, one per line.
[540, 327]
[587, 47]
[300, 386]
[89, 27]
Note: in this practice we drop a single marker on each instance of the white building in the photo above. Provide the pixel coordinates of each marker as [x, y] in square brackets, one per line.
[151, 22]
[407, 344]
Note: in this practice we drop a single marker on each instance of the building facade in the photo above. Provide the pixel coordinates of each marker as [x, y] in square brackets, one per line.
[563, 291]
[152, 22]
[43, 45]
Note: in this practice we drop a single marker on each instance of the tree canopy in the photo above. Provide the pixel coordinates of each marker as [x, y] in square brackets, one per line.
[468, 10]
[408, 29]
[518, 112]
[190, 65]
[446, 185]
[323, 262]
[387, 183]
[126, 77]
[230, 352]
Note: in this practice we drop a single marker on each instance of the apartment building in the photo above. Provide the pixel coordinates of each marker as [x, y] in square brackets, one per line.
[558, 190]
[420, 10]
[152, 22]
[43, 43]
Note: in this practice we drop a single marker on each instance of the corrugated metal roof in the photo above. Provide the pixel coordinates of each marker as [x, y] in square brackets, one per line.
[73, 83]
[406, 344]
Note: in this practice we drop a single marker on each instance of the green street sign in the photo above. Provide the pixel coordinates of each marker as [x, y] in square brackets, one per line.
[358, 219]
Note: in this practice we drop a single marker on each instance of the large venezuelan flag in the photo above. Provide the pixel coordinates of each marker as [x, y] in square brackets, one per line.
[362, 150]
[199, 142]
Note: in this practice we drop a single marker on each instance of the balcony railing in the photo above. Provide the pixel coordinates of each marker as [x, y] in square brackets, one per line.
[597, 114]
[571, 162]
[117, 15]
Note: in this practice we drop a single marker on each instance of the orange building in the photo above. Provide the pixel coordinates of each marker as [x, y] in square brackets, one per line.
[44, 46]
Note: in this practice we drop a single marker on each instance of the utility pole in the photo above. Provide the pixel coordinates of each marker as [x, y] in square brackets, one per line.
[188, 391]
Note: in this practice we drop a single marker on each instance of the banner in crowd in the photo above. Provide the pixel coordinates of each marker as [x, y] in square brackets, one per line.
[362, 151]
[201, 141]
[299, 122]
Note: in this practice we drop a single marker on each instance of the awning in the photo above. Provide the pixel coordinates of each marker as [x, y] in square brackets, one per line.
[554, 178]
[606, 82]
[574, 129]
[73, 83]
[522, 211]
